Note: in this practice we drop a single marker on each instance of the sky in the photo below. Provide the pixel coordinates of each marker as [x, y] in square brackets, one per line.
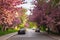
[27, 6]
[28, 1]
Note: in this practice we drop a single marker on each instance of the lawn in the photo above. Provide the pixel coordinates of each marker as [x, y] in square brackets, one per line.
[7, 31]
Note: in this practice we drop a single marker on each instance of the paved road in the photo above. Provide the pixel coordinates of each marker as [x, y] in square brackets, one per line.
[31, 35]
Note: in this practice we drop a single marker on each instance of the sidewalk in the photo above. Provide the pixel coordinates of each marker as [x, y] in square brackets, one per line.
[54, 36]
[5, 37]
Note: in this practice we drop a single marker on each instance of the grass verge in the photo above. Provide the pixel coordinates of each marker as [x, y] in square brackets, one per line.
[7, 31]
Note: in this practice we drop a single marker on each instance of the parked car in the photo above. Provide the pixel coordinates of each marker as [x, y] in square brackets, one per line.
[33, 29]
[22, 31]
[37, 30]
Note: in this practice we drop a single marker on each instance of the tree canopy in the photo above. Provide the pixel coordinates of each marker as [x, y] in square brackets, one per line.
[47, 13]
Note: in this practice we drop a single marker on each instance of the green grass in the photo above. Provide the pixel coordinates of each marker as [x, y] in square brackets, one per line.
[7, 31]
[43, 28]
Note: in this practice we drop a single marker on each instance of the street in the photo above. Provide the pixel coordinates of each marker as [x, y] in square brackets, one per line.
[31, 35]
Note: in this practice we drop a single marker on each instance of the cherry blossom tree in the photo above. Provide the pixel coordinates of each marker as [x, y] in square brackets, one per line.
[47, 13]
[8, 12]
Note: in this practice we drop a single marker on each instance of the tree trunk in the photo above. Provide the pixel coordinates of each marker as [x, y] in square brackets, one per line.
[4, 28]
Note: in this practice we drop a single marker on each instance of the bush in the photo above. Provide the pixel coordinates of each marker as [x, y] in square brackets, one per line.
[32, 25]
[21, 26]
[43, 28]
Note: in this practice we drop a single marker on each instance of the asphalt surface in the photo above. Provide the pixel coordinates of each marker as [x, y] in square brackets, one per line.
[31, 35]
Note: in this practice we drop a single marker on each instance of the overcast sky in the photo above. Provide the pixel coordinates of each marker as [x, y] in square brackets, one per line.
[28, 5]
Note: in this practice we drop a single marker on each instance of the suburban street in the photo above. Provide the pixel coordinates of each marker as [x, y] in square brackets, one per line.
[31, 35]
[29, 19]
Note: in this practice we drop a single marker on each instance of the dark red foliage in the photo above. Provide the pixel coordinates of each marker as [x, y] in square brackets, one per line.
[45, 14]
